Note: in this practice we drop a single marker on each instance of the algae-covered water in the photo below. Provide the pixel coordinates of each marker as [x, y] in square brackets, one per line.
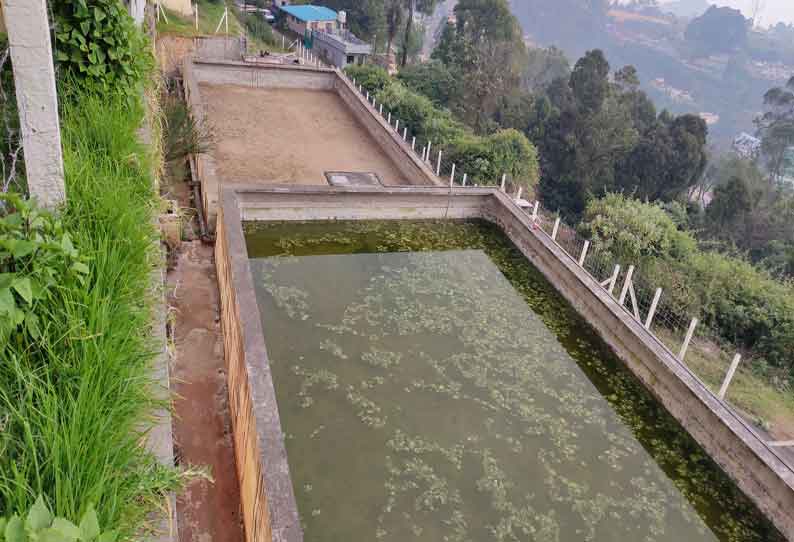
[433, 386]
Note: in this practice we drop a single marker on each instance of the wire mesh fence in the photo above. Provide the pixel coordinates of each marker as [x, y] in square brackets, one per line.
[705, 353]
[11, 159]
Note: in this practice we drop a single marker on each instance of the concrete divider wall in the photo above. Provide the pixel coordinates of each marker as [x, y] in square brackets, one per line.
[267, 499]
[756, 469]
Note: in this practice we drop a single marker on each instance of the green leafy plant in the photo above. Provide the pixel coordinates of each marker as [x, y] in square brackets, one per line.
[96, 40]
[41, 525]
[36, 257]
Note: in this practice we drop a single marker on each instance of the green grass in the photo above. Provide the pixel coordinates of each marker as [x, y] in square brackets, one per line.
[74, 406]
[210, 14]
[771, 406]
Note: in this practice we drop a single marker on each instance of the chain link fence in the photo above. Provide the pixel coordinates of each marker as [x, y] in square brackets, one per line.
[12, 167]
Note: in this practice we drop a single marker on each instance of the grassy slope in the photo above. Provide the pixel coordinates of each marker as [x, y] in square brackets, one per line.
[76, 402]
[210, 14]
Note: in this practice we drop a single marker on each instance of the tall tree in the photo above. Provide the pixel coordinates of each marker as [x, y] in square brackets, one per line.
[423, 6]
[776, 127]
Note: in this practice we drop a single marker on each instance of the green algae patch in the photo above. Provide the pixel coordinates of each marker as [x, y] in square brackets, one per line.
[433, 386]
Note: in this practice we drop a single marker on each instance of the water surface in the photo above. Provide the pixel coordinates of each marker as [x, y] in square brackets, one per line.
[433, 386]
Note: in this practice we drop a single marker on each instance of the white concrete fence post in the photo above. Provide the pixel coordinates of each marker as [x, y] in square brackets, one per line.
[452, 176]
[438, 164]
[518, 194]
[504, 179]
[535, 212]
[652, 310]
[611, 281]
[685, 345]
[728, 377]
[583, 255]
[464, 180]
[429, 144]
[413, 143]
[397, 125]
[389, 119]
[626, 284]
[555, 229]
[34, 80]
[405, 134]
[381, 110]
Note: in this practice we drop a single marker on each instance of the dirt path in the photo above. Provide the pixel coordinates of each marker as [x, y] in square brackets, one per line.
[208, 511]
[289, 136]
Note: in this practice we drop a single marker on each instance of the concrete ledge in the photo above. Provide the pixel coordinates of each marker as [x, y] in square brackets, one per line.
[756, 469]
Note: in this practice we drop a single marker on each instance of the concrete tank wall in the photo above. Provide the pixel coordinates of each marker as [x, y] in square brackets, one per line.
[757, 470]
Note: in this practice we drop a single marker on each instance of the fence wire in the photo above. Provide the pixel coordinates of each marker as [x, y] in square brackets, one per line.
[11, 159]
[708, 355]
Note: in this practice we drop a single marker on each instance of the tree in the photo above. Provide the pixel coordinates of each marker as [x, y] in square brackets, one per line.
[543, 67]
[731, 203]
[485, 47]
[719, 30]
[433, 79]
[424, 6]
[776, 127]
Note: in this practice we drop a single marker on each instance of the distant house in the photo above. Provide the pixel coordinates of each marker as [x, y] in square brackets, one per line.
[341, 48]
[747, 146]
[309, 17]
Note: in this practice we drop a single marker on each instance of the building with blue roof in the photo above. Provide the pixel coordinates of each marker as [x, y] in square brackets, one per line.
[309, 17]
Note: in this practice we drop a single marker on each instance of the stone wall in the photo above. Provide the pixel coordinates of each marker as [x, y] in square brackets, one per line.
[755, 467]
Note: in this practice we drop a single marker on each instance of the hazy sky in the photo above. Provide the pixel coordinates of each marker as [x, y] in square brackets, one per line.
[773, 12]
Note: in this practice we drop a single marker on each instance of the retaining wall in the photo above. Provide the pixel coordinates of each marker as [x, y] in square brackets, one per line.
[220, 72]
[755, 468]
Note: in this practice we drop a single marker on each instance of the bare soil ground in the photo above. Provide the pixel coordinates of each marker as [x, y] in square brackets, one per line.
[289, 136]
[208, 510]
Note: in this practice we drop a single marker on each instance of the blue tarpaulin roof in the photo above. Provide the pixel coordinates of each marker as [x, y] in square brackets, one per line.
[311, 13]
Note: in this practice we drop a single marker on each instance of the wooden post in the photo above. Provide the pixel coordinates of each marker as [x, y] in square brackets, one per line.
[584, 253]
[626, 284]
[438, 165]
[728, 377]
[685, 345]
[652, 310]
[34, 80]
[555, 228]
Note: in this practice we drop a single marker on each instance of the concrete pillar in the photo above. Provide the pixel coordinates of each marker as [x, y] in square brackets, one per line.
[34, 79]
[137, 9]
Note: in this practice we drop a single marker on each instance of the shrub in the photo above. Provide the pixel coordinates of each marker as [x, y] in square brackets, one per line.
[486, 159]
[631, 230]
[97, 43]
[371, 77]
[41, 524]
[37, 259]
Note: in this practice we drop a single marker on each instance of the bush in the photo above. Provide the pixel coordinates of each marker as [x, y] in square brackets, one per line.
[372, 78]
[632, 231]
[741, 303]
[96, 42]
[486, 159]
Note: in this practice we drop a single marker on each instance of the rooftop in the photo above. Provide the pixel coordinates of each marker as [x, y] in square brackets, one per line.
[311, 13]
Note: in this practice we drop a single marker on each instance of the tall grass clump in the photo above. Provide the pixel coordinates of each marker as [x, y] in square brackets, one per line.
[75, 401]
